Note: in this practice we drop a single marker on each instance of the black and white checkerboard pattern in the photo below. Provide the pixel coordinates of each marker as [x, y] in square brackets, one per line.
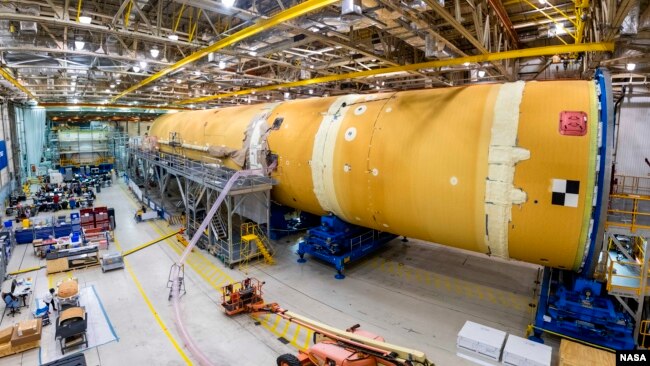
[565, 192]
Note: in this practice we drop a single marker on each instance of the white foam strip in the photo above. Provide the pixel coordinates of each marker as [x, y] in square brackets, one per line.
[322, 158]
[503, 155]
[257, 138]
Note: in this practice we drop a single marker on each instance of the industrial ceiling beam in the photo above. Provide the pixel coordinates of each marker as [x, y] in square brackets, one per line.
[490, 57]
[465, 33]
[5, 74]
[93, 28]
[621, 12]
[120, 107]
[502, 14]
[69, 51]
[284, 16]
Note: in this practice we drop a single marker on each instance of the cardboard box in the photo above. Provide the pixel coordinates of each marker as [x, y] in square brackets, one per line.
[5, 334]
[28, 327]
[25, 339]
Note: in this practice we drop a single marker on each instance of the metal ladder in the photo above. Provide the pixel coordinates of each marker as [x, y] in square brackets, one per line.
[181, 280]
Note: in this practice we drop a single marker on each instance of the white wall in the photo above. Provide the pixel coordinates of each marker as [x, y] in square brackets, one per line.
[5, 134]
[634, 134]
[7, 175]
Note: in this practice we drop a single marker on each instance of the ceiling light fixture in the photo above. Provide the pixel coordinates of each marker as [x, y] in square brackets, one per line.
[222, 65]
[173, 37]
[154, 52]
[136, 68]
[85, 19]
[112, 86]
[253, 53]
[311, 91]
[178, 81]
[465, 64]
[228, 3]
[481, 73]
[630, 67]
[286, 95]
[79, 45]
[143, 65]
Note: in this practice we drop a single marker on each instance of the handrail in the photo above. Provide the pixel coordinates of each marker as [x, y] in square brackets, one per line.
[638, 218]
[611, 275]
[644, 330]
[626, 184]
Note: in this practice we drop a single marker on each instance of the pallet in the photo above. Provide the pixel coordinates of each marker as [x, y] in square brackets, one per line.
[75, 268]
[21, 348]
[576, 354]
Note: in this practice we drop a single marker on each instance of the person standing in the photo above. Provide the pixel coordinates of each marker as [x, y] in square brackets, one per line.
[49, 300]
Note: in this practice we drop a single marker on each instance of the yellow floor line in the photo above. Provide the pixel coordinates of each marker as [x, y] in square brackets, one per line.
[285, 330]
[201, 265]
[295, 334]
[275, 324]
[152, 309]
[308, 339]
[192, 258]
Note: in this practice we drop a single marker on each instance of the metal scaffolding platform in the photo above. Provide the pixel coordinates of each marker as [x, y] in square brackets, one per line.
[175, 182]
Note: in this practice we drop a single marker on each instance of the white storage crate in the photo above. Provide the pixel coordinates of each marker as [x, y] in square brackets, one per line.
[482, 340]
[523, 352]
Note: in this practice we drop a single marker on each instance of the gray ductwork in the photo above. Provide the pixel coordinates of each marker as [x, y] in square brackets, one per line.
[631, 21]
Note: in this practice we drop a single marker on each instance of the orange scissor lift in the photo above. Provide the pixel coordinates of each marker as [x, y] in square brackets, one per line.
[331, 346]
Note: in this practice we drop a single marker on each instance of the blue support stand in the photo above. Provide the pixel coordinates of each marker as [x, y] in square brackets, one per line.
[338, 243]
[573, 306]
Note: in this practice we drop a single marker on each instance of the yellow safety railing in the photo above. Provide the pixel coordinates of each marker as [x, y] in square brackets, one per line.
[644, 330]
[248, 228]
[612, 275]
[636, 218]
[626, 184]
[638, 246]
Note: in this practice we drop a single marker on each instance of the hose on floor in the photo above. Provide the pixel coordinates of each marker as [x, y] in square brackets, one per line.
[185, 336]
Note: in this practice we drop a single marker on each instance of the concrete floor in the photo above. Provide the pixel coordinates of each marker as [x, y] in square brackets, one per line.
[415, 294]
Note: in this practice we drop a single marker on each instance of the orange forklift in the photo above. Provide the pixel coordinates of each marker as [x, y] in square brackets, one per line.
[332, 346]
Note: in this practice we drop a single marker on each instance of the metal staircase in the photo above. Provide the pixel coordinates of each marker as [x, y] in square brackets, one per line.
[194, 195]
[218, 226]
[252, 235]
